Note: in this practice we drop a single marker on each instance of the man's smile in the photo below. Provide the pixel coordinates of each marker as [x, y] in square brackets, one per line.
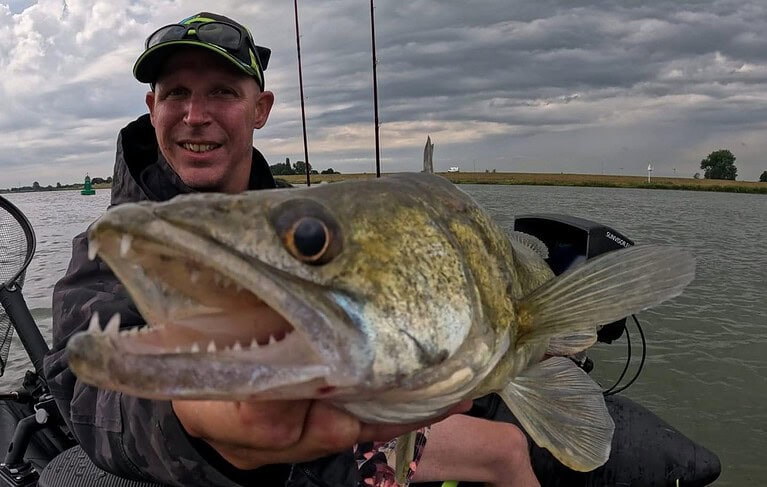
[199, 147]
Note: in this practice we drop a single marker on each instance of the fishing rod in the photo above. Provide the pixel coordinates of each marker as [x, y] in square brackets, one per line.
[301, 90]
[375, 89]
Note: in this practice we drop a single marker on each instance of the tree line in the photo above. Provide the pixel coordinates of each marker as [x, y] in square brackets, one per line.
[36, 186]
[298, 167]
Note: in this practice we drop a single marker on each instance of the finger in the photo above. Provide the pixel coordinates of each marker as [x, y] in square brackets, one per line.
[326, 430]
[329, 429]
[273, 425]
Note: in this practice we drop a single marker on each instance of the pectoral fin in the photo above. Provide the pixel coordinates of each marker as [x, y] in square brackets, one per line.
[564, 411]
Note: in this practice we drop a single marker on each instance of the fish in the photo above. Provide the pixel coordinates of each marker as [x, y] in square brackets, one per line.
[392, 298]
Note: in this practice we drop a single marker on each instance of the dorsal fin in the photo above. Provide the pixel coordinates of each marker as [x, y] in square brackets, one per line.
[531, 242]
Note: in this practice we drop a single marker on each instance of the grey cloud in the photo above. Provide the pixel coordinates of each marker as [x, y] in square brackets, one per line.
[577, 85]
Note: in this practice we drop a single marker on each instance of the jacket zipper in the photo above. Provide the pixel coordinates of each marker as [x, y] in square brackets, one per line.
[313, 477]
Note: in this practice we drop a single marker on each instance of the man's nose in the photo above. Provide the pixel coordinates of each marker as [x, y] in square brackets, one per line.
[197, 111]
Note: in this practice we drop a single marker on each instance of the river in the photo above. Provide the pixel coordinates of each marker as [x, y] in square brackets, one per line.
[706, 366]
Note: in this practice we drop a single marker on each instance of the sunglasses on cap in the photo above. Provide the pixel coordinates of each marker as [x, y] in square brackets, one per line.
[231, 38]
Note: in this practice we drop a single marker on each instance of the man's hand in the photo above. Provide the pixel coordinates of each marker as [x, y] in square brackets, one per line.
[251, 434]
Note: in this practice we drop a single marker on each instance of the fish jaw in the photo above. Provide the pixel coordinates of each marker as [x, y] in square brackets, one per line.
[211, 335]
[101, 359]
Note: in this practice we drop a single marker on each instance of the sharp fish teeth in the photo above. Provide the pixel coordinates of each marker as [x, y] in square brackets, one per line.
[113, 325]
[125, 244]
[254, 343]
[94, 325]
[194, 276]
[237, 347]
[93, 249]
[211, 347]
[195, 348]
[272, 340]
[130, 332]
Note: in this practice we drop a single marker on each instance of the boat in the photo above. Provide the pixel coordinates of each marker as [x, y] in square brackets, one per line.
[40, 451]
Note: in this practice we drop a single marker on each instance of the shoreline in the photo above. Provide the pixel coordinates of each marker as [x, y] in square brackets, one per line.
[546, 179]
[523, 179]
[68, 187]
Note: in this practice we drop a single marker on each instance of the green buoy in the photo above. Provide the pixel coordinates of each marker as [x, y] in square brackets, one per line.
[87, 188]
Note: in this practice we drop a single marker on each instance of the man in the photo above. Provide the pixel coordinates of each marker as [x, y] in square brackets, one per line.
[207, 97]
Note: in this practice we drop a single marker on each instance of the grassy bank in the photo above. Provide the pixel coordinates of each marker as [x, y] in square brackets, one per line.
[593, 180]
[533, 179]
[68, 187]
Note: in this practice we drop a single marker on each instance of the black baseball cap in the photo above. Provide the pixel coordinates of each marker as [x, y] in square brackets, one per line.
[221, 35]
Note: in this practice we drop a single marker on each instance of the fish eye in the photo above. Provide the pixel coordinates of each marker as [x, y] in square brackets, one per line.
[308, 231]
[308, 240]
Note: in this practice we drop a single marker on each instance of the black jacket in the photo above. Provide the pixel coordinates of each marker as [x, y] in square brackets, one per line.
[139, 438]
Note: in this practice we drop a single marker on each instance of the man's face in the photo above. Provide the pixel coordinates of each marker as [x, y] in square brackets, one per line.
[204, 111]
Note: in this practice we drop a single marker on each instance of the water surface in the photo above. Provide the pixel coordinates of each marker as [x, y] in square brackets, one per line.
[706, 366]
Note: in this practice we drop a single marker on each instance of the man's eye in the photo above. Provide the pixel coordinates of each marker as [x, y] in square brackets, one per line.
[224, 92]
[175, 93]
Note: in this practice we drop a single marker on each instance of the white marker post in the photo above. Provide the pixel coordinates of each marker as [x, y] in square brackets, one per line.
[649, 171]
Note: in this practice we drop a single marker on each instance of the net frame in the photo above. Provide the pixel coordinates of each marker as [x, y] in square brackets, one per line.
[17, 247]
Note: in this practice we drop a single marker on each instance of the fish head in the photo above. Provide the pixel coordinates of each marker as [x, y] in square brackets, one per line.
[327, 291]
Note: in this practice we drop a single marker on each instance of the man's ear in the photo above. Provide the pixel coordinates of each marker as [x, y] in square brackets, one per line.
[263, 107]
[149, 99]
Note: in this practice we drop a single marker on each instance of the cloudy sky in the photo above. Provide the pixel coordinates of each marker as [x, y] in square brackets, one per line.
[578, 86]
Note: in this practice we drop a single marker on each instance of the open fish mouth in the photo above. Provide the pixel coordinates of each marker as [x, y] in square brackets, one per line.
[220, 324]
[195, 308]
